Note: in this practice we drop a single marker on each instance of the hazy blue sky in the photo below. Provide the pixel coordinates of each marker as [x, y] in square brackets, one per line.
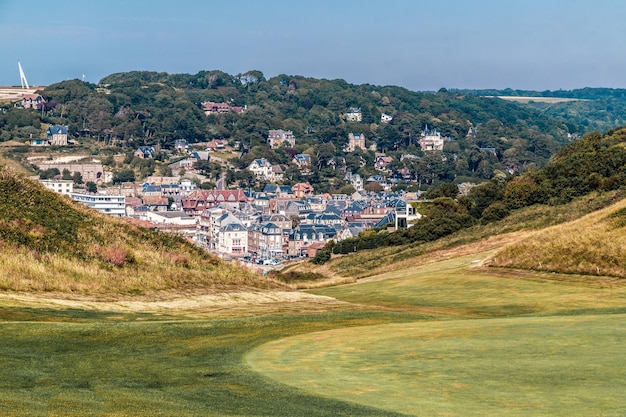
[417, 44]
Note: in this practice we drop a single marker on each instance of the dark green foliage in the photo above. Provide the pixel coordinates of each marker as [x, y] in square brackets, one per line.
[125, 175]
[322, 256]
[440, 218]
[295, 276]
[482, 196]
[49, 173]
[150, 108]
[593, 163]
[91, 187]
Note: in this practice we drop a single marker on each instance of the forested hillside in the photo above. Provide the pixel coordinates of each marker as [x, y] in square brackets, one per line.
[595, 109]
[484, 136]
[595, 163]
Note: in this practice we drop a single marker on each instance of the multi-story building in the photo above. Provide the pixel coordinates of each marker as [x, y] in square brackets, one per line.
[65, 187]
[262, 168]
[431, 140]
[199, 200]
[277, 138]
[211, 107]
[57, 135]
[233, 240]
[354, 115]
[113, 205]
[266, 240]
[355, 140]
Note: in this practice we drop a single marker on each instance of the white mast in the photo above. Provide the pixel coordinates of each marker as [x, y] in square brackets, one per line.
[22, 76]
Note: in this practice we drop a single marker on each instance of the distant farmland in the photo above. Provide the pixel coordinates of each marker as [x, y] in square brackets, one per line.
[549, 100]
[15, 93]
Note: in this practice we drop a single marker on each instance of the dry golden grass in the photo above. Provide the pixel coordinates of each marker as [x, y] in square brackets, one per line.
[594, 245]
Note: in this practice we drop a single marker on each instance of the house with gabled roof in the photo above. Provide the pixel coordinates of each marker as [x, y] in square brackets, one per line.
[431, 140]
[57, 135]
[32, 101]
[382, 161]
[211, 107]
[181, 145]
[266, 240]
[302, 190]
[304, 236]
[199, 200]
[233, 240]
[278, 137]
[278, 190]
[354, 115]
[145, 152]
[302, 160]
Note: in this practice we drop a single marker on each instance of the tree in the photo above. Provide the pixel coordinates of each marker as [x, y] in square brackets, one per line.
[125, 175]
[49, 173]
[373, 187]
[66, 175]
[77, 177]
[91, 187]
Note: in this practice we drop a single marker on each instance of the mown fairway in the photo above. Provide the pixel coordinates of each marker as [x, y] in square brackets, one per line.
[441, 339]
[558, 366]
[81, 363]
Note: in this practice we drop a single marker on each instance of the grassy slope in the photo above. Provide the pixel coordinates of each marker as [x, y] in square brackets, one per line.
[50, 243]
[459, 367]
[594, 244]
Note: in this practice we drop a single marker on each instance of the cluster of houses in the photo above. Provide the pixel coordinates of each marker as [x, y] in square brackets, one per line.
[277, 223]
[284, 222]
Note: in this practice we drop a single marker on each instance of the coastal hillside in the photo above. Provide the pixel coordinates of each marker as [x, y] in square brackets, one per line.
[50, 243]
[592, 245]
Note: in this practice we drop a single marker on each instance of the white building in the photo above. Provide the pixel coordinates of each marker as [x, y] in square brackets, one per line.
[262, 168]
[278, 137]
[65, 187]
[354, 115]
[431, 140]
[113, 205]
[233, 239]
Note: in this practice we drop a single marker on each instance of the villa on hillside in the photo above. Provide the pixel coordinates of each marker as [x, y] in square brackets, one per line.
[278, 137]
[32, 101]
[355, 140]
[431, 140]
[354, 115]
[211, 107]
[57, 135]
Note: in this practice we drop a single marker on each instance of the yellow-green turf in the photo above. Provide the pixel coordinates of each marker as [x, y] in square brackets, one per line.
[539, 366]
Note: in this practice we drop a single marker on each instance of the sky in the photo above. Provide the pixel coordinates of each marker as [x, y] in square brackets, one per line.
[417, 44]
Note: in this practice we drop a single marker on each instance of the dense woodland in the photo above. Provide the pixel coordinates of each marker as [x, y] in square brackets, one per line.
[132, 109]
[596, 109]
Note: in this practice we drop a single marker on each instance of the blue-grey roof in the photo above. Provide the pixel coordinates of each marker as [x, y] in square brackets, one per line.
[57, 130]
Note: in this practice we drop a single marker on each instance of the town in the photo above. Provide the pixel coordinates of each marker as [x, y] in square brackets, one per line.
[279, 222]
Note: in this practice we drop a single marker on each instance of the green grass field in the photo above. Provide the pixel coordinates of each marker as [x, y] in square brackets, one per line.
[446, 338]
[557, 366]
